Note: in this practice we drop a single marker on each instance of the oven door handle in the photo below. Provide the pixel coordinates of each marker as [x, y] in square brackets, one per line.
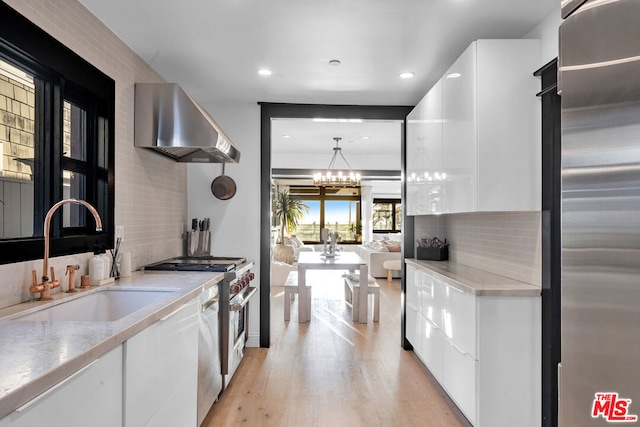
[246, 296]
[209, 303]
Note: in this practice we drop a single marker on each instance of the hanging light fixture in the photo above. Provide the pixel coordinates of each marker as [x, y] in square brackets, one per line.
[335, 178]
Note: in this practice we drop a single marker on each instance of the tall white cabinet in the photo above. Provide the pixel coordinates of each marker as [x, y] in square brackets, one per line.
[473, 141]
[483, 350]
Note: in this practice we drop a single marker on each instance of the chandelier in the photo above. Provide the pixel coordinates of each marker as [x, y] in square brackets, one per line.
[334, 178]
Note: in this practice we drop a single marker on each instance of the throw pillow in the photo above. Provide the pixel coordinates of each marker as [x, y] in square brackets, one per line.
[392, 246]
[376, 246]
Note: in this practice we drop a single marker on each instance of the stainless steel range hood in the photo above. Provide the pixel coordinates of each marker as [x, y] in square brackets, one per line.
[171, 122]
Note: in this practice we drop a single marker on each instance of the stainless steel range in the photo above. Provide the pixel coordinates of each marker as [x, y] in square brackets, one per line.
[225, 314]
[193, 263]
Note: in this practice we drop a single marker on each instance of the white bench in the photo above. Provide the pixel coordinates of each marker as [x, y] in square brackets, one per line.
[290, 291]
[352, 292]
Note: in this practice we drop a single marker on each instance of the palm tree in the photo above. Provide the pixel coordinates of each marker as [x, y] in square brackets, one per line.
[289, 210]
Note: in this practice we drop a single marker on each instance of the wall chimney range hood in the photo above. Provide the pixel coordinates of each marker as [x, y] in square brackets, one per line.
[171, 122]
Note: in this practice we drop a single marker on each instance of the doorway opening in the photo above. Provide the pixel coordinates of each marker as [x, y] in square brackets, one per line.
[271, 112]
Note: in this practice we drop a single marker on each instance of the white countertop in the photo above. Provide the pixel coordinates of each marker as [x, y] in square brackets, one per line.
[475, 281]
[35, 356]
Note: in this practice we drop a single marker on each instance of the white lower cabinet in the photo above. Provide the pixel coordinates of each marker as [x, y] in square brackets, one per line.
[483, 350]
[90, 397]
[412, 330]
[149, 380]
[459, 379]
[431, 349]
[459, 318]
[161, 372]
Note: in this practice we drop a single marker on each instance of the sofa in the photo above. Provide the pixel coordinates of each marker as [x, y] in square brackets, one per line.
[297, 245]
[378, 251]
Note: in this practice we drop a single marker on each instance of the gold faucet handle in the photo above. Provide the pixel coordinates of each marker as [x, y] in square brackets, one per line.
[36, 287]
[54, 283]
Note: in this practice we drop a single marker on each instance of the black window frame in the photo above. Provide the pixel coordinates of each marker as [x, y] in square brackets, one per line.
[61, 74]
[394, 203]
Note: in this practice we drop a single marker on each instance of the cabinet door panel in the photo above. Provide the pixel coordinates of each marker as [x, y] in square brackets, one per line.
[431, 299]
[93, 397]
[432, 348]
[156, 361]
[459, 319]
[459, 133]
[413, 288]
[433, 171]
[459, 379]
[509, 148]
[412, 330]
[424, 160]
[415, 202]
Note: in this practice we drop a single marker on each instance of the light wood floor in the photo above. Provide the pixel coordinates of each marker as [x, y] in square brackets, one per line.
[333, 372]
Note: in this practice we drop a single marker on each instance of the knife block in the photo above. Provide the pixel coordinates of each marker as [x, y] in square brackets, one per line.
[198, 243]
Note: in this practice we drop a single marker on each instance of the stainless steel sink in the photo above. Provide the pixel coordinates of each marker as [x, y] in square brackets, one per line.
[105, 305]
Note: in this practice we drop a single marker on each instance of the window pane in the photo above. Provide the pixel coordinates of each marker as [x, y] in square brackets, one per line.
[382, 216]
[309, 227]
[73, 186]
[398, 217]
[74, 132]
[17, 145]
[338, 215]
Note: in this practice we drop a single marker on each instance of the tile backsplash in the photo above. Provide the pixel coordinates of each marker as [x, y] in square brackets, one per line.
[504, 243]
[150, 189]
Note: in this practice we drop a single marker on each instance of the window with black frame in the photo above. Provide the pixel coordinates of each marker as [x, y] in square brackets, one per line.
[337, 209]
[56, 140]
[387, 216]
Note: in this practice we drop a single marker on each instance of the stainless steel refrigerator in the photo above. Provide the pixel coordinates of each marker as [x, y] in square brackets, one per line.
[599, 82]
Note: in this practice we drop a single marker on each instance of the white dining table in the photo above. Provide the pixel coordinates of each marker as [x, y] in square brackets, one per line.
[342, 261]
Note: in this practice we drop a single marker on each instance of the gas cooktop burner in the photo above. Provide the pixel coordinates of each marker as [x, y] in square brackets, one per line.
[210, 263]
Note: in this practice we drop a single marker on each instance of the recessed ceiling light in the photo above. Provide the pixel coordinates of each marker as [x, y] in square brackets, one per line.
[407, 75]
[286, 136]
[453, 75]
[365, 137]
[265, 72]
[334, 62]
[322, 120]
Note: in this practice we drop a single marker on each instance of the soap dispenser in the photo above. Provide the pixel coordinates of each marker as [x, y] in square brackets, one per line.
[107, 263]
[96, 267]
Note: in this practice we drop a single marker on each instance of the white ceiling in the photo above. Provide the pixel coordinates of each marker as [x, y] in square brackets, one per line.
[214, 48]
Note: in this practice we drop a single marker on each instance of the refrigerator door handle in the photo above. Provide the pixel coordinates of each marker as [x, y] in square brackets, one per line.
[559, 71]
[560, 420]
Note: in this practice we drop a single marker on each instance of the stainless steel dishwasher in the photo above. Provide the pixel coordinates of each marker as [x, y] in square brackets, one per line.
[209, 367]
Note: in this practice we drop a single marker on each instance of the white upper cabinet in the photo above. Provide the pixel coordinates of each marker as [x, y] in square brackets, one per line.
[459, 136]
[473, 142]
[508, 125]
[424, 155]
